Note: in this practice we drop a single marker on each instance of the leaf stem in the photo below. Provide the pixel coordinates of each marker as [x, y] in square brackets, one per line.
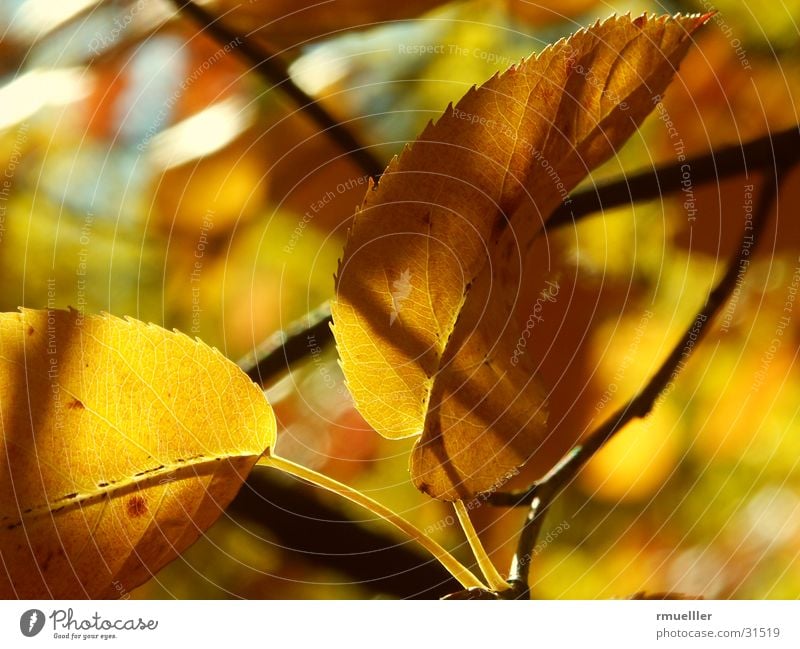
[453, 566]
[491, 574]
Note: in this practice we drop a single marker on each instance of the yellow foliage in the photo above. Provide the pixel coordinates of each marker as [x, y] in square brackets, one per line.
[122, 443]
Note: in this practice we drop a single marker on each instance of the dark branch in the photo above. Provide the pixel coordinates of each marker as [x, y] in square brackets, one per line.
[781, 149]
[273, 70]
[542, 493]
[284, 348]
[518, 574]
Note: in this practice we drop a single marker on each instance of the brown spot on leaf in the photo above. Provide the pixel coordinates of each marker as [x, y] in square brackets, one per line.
[31, 330]
[75, 404]
[136, 506]
[57, 553]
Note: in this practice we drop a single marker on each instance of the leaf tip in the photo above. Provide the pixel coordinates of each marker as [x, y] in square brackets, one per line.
[704, 18]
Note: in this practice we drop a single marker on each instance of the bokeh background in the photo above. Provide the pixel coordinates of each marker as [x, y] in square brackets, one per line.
[148, 171]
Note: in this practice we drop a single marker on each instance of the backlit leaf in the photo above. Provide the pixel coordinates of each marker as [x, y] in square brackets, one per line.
[429, 280]
[121, 443]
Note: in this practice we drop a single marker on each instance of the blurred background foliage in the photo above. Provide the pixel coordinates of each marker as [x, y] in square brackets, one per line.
[148, 172]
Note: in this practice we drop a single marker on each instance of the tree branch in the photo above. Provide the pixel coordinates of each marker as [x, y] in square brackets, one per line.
[281, 350]
[541, 494]
[273, 70]
[781, 149]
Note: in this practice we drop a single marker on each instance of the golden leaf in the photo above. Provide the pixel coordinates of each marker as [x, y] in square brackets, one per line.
[429, 281]
[122, 442]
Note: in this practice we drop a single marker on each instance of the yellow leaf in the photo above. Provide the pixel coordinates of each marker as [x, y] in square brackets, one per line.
[121, 443]
[429, 281]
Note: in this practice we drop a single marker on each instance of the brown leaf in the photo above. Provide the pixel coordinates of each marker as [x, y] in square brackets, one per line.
[431, 271]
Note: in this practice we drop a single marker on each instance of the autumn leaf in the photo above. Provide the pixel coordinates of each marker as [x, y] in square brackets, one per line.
[451, 222]
[122, 442]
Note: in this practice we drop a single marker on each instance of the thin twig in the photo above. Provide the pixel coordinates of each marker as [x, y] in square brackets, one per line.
[518, 574]
[542, 493]
[781, 149]
[281, 350]
[271, 67]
